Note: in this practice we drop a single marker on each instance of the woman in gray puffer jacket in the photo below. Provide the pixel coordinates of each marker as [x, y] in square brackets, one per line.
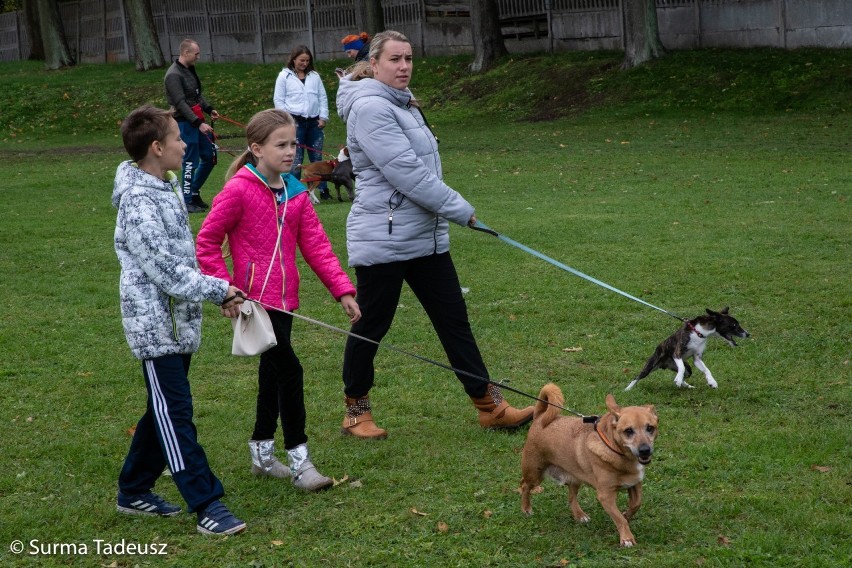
[398, 231]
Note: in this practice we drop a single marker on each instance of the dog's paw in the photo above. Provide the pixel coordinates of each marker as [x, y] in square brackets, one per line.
[684, 385]
[584, 518]
[712, 384]
[627, 543]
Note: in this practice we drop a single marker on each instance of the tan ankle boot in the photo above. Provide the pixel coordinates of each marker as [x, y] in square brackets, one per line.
[495, 412]
[359, 422]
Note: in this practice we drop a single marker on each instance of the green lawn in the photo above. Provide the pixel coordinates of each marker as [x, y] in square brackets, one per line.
[665, 182]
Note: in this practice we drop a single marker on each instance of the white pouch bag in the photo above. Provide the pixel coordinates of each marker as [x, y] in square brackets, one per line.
[253, 333]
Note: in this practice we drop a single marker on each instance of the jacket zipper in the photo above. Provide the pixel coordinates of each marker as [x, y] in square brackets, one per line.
[174, 318]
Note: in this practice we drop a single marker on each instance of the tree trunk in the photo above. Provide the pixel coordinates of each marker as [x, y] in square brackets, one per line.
[33, 31]
[641, 32]
[56, 51]
[146, 42]
[488, 45]
[375, 18]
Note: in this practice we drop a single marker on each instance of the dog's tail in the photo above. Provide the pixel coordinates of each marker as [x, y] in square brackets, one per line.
[547, 413]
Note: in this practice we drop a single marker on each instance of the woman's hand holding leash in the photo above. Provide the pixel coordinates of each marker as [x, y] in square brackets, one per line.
[351, 307]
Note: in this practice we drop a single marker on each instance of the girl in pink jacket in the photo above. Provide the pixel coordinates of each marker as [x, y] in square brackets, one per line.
[262, 204]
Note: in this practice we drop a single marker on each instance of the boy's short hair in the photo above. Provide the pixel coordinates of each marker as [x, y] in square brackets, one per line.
[142, 127]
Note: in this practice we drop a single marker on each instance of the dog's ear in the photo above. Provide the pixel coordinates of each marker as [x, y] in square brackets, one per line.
[725, 311]
[710, 312]
[613, 406]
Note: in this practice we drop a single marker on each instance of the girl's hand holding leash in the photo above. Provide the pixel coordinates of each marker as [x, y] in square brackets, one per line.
[351, 307]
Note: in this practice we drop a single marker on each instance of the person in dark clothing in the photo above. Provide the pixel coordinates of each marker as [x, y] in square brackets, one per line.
[183, 93]
[357, 46]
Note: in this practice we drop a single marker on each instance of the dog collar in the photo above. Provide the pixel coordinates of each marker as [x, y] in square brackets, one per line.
[606, 441]
[694, 330]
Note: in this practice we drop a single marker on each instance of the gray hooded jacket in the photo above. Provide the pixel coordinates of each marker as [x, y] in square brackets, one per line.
[161, 286]
[402, 206]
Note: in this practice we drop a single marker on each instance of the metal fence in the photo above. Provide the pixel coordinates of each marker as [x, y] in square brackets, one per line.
[265, 31]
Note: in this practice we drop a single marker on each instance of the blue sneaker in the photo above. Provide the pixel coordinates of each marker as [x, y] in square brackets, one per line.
[149, 504]
[216, 519]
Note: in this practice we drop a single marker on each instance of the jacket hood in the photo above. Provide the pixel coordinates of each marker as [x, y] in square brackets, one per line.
[129, 175]
[349, 91]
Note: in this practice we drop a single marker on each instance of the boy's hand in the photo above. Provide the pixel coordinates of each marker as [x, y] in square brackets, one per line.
[350, 306]
[233, 298]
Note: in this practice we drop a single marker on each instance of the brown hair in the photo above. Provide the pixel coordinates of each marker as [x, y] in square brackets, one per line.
[297, 51]
[142, 127]
[364, 69]
[258, 130]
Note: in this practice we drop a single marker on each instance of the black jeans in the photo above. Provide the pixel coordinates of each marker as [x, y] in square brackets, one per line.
[434, 281]
[280, 388]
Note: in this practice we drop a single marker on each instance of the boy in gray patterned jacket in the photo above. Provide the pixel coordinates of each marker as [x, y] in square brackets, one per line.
[161, 290]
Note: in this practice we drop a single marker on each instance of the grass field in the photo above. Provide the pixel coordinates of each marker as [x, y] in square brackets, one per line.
[707, 179]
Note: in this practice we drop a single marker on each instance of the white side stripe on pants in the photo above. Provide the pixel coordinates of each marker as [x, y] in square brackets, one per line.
[164, 421]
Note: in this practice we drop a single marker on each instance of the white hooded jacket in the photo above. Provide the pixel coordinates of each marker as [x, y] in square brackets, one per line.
[161, 286]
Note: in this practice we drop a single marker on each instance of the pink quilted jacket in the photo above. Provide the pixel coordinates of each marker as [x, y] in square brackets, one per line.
[246, 211]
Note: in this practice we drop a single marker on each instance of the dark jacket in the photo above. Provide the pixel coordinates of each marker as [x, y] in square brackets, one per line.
[183, 91]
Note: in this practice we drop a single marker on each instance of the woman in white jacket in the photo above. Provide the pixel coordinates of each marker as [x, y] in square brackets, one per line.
[398, 231]
[300, 92]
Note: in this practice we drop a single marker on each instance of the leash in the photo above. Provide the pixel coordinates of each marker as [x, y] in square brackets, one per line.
[480, 226]
[234, 122]
[586, 419]
[305, 146]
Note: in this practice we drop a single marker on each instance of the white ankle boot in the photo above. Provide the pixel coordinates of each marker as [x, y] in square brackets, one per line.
[264, 462]
[305, 475]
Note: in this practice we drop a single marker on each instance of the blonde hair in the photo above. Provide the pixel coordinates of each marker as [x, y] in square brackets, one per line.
[258, 130]
[364, 69]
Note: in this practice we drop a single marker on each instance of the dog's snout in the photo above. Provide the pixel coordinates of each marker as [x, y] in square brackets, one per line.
[645, 451]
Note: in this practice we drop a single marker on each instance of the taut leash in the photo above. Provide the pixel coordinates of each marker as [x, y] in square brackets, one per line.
[480, 226]
[587, 419]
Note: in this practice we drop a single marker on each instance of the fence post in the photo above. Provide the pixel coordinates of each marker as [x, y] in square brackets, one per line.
[259, 29]
[310, 26]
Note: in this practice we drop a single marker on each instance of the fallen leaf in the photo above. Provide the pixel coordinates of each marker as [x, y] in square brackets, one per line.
[416, 512]
[535, 490]
[343, 480]
[487, 514]
[723, 540]
[131, 431]
[443, 527]
[277, 542]
[572, 349]
[820, 468]
[356, 483]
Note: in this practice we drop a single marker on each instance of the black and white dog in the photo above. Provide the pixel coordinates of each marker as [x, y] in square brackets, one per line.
[690, 341]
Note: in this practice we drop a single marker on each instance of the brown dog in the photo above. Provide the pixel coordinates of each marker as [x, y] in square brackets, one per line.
[338, 172]
[608, 455]
[314, 173]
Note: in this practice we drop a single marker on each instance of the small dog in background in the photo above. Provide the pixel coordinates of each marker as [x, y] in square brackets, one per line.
[338, 172]
[315, 173]
[343, 174]
[690, 341]
[610, 455]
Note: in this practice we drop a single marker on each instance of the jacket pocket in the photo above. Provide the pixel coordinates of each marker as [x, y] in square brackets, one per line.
[249, 278]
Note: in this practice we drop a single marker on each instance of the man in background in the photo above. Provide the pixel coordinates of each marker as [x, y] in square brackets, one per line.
[183, 93]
